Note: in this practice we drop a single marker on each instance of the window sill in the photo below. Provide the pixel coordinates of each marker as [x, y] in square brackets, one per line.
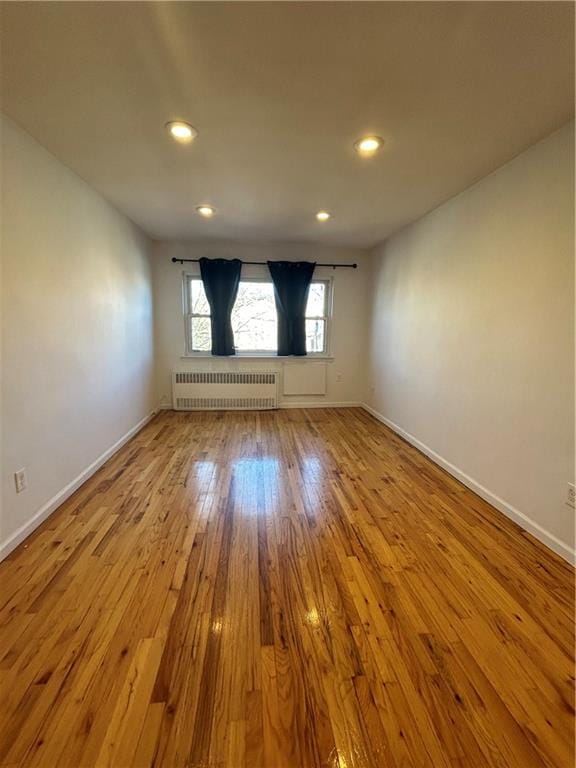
[297, 358]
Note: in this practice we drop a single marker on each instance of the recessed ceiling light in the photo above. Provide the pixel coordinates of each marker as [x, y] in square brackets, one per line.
[180, 131]
[323, 215]
[205, 210]
[368, 145]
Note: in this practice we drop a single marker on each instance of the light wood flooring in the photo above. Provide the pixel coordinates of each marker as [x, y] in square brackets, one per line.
[288, 589]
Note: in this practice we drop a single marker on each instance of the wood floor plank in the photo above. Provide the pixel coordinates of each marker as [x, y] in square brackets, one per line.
[283, 589]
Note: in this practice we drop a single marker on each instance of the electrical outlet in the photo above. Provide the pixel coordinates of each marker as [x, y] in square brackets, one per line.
[338, 377]
[20, 480]
[571, 496]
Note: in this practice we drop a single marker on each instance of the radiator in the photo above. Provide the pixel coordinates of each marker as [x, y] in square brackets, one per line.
[224, 390]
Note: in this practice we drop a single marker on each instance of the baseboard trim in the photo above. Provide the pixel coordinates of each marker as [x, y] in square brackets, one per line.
[47, 509]
[525, 522]
[316, 404]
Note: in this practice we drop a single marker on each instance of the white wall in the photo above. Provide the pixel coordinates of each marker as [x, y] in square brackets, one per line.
[77, 331]
[346, 373]
[472, 344]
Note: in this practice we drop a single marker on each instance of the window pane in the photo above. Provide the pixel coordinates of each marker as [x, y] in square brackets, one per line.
[315, 306]
[201, 334]
[315, 335]
[198, 301]
[254, 318]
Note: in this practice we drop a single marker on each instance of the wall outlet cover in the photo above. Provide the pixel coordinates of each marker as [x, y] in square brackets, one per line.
[20, 480]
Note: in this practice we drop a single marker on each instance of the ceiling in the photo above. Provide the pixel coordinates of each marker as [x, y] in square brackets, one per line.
[279, 92]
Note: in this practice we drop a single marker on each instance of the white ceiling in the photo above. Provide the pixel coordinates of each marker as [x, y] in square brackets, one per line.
[279, 92]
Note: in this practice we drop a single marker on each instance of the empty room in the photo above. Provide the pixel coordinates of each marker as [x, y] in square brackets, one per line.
[287, 384]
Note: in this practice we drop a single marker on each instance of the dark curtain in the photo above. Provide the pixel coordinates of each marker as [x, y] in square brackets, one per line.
[221, 278]
[291, 285]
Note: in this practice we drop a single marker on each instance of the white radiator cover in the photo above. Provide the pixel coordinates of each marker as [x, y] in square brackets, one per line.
[224, 390]
[305, 378]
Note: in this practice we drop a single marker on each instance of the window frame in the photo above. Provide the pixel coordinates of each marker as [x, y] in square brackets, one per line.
[187, 277]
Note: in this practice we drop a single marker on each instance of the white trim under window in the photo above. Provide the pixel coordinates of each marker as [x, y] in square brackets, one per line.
[197, 321]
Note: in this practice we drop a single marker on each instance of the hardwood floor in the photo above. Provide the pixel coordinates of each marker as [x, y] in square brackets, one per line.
[284, 589]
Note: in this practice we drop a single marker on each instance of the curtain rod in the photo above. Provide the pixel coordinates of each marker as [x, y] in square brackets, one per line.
[334, 266]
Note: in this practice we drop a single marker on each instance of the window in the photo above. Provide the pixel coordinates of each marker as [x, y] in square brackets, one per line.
[199, 334]
[254, 317]
[317, 317]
